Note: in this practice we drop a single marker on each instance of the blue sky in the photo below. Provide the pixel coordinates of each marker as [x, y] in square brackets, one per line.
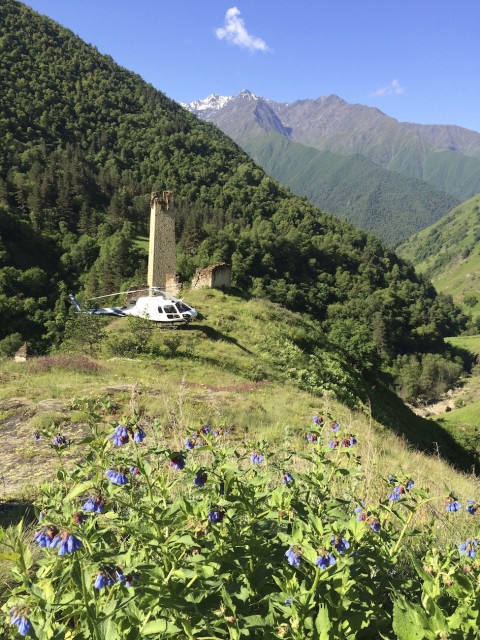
[415, 60]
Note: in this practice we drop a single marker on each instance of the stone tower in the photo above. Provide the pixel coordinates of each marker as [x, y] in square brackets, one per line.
[162, 259]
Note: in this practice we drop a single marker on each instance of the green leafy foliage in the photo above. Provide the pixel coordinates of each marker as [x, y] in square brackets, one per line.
[222, 542]
[425, 379]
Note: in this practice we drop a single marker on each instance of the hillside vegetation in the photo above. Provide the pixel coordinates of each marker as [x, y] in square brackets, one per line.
[387, 203]
[448, 252]
[463, 419]
[84, 142]
[247, 363]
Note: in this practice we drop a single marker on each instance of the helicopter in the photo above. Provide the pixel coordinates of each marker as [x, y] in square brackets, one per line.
[158, 307]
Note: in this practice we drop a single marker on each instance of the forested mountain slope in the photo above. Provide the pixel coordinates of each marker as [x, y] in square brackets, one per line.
[384, 202]
[82, 144]
[449, 253]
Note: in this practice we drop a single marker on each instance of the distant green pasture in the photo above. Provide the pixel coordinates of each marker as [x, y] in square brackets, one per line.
[472, 343]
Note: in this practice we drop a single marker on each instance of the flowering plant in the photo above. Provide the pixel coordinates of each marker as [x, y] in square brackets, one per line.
[143, 541]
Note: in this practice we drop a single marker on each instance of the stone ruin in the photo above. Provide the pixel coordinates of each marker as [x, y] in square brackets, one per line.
[21, 355]
[162, 261]
[218, 276]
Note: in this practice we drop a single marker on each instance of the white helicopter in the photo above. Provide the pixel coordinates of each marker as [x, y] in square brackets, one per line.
[158, 307]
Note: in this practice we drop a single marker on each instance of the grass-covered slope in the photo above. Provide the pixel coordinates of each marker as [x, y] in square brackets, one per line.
[248, 364]
[448, 252]
[384, 202]
[464, 418]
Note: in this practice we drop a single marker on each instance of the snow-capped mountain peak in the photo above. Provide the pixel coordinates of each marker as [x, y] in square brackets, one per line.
[245, 93]
[213, 101]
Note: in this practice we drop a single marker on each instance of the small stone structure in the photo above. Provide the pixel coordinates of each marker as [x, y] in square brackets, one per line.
[218, 276]
[21, 355]
[162, 259]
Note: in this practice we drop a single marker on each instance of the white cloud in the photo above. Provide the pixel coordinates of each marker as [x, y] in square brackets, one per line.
[393, 89]
[234, 32]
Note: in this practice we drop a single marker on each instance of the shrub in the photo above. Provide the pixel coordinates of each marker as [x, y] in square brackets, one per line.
[10, 345]
[220, 542]
[71, 362]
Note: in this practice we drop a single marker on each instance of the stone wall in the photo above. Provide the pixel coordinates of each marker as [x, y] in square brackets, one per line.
[218, 276]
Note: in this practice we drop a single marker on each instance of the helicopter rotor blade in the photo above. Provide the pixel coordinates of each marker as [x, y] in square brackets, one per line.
[120, 293]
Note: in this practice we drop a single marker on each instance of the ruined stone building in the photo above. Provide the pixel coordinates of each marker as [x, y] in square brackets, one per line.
[162, 260]
[218, 276]
[21, 354]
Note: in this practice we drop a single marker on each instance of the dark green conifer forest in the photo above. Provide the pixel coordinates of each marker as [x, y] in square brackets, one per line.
[83, 142]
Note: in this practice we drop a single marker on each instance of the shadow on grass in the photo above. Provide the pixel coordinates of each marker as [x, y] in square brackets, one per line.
[422, 434]
[213, 334]
[12, 511]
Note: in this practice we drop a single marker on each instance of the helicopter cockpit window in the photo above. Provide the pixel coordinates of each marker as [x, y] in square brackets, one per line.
[182, 307]
[168, 308]
[170, 311]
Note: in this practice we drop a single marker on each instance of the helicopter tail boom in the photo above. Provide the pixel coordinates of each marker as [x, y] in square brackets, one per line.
[74, 301]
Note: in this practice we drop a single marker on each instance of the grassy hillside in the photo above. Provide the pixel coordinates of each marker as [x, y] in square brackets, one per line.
[463, 419]
[449, 253]
[246, 363]
[384, 202]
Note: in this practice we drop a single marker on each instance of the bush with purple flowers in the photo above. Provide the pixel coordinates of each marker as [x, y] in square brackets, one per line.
[325, 560]
[177, 462]
[126, 548]
[451, 504]
[293, 556]
[215, 515]
[472, 506]
[200, 478]
[117, 476]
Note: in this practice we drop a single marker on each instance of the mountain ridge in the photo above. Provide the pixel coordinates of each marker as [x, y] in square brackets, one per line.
[329, 123]
[427, 131]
